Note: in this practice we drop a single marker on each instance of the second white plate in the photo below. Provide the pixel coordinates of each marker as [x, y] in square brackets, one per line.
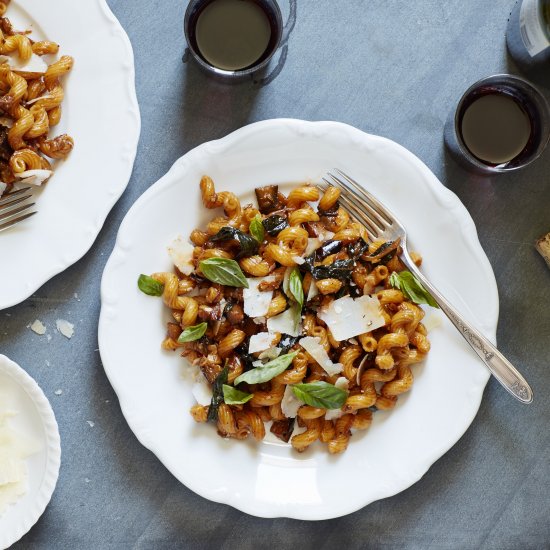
[101, 113]
[273, 480]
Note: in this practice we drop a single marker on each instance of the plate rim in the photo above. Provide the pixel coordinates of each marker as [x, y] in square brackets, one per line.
[467, 229]
[22, 293]
[53, 450]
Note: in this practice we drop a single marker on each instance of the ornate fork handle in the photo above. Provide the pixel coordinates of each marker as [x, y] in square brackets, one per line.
[499, 366]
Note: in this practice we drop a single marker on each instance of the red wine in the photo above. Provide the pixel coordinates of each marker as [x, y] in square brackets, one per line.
[233, 35]
[495, 128]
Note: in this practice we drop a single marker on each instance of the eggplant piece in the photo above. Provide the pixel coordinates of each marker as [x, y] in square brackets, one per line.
[328, 248]
[268, 198]
[217, 394]
[248, 244]
[283, 429]
[274, 225]
[340, 269]
[287, 342]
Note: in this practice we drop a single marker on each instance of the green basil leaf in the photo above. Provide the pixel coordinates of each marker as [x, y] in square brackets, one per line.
[268, 371]
[249, 245]
[217, 394]
[257, 228]
[150, 286]
[233, 396]
[190, 334]
[296, 312]
[223, 271]
[411, 287]
[295, 286]
[320, 394]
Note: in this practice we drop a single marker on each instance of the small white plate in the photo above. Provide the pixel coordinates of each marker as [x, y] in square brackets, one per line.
[35, 420]
[273, 480]
[101, 113]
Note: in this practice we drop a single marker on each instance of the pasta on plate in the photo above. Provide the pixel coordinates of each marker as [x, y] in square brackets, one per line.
[31, 95]
[294, 319]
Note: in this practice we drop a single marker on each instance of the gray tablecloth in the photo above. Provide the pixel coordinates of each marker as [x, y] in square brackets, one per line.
[392, 68]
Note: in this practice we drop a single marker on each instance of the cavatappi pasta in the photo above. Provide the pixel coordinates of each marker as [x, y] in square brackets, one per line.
[31, 94]
[320, 340]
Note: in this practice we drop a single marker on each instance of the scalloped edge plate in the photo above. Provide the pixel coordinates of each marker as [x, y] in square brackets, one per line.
[43, 466]
[100, 98]
[266, 479]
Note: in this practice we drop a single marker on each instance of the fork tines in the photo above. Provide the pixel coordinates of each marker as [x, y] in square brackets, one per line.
[361, 203]
[12, 209]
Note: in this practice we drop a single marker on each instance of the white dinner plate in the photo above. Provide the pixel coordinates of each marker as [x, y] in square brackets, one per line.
[101, 113]
[34, 419]
[266, 479]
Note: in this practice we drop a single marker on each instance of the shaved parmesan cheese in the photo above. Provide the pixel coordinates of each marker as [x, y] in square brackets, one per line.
[38, 327]
[285, 323]
[290, 403]
[312, 291]
[260, 342]
[343, 384]
[6, 121]
[348, 317]
[312, 245]
[181, 254]
[298, 259]
[432, 321]
[270, 354]
[202, 392]
[259, 320]
[35, 177]
[312, 344]
[65, 328]
[256, 302]
[34, 67]
[326, 236]
[45, 96]
[14, 449]
[2, 187]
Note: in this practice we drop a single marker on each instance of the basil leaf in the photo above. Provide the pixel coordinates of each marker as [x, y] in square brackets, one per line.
[340, 269]
[274, 224]
[320, 394]
[217, 394]
[233, 396]
[190, 334]
[410, 286]
[223, 271]
[268, 371]
[257, 229]
[295, 286]
[150, 286]
[248, 244]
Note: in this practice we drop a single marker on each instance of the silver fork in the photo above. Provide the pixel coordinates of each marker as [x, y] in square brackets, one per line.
[384, 225]
[12, 209]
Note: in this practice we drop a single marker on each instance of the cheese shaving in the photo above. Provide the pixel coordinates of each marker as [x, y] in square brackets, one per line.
[312, 344]
[285, 323]
[348, 317]
[260, 342]
[256, 302]
[181, 254]
[290, 403]
[65, 328]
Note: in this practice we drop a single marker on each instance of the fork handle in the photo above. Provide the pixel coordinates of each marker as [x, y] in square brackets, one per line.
[499, 366]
